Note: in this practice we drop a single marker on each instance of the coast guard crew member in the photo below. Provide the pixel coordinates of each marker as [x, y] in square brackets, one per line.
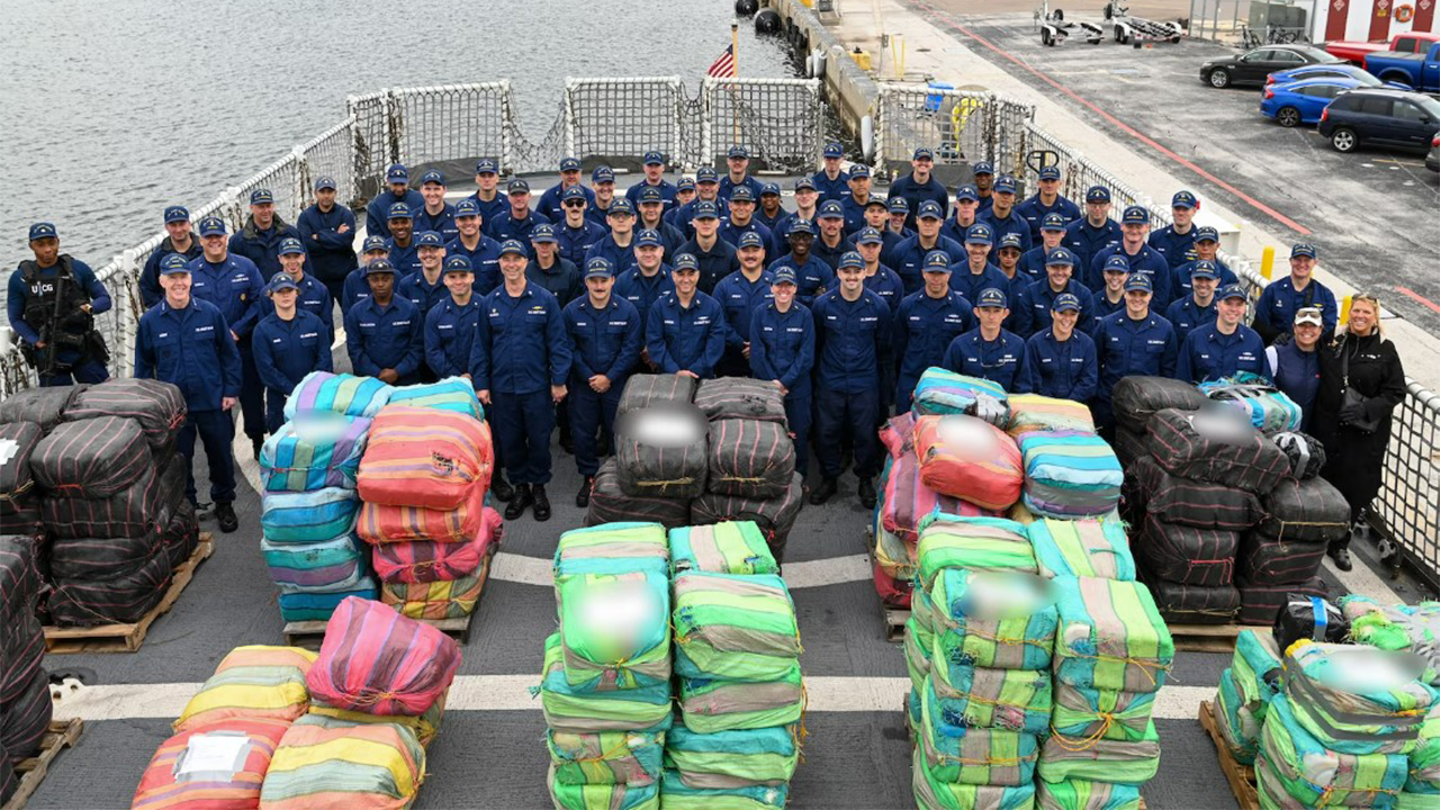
[877, 218]
[649, 216]
[879, 279]
[311, 295]
[1224, 347]
[602, 182]
[806, 207]
[436, 214]
[685, 328]
[854, 203]
[1002, 216]
[618, 247]
[519, 365]
[738, 163]
[328, 233]
[829, 244]
[259, 238]
[426, 287]
[976, 273]
[1275, 311]
[989, 351]
[770, 211]
[984, 184]
[1007, 258]
[1096, 231]
[233, 284]
[654, 165]
[967, 212]
[1046, 202]
[404, 253]
[1051, 235]
[1205, 248]
[1110, 298]
[715, 256]
[488, 197]
[1134, 226]
[684, 193]
[926, 323]
[551, 202]
[1039, 299]
[852, 346]
[605, 332]
[707, 184]
[576, 232]
[1173, 242]
[384, 334]
[516, 222]
[1198, 307]
[644, 284]
[1133, 342]
[377, 213]
[739, 294]
[560, 277]
[899, 211]
[178, 239]
[812, 276]
[742, 221]
[831, 182]
[357, 289]
[1060, 359]
[80, 352]
[184, 340]
[289, 343]
[908, 257]
[782, 350]
[482, 251]
[920, 186]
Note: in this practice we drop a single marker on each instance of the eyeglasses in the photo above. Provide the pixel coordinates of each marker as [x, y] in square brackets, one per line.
[575, 204]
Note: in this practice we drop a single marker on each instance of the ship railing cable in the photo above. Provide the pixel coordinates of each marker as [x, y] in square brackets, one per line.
[780, 122]
[617, 120]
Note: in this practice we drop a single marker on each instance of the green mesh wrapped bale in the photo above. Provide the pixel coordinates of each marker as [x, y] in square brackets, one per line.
[732, 547]
[982, 543]
[956, 753]
[1246, 688]
[617, 796]
[1297, 771]
[1126, 763]
[615, 629]
[932, 793]
[1111, 636]
[1417, 801]
[1425, 759]
[734, 627]
[613, 548]
[1355, 699]
[733, 759]
[922, 620]
[917, 655]
[1084, 794]
[709, 705]
[1015, 699]
[1082, 548]
[676, 795]
[1411, 628]
[914, 710]
[1084, 714]
[579, 709]
[606, 757]
[1018, 632]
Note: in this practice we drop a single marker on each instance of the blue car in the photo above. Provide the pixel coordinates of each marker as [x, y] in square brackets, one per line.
[1302, 102]
[1340, 70]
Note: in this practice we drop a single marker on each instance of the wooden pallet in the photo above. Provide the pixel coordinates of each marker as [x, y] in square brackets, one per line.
[127, 638]
[310, 634]
[895, 619]
[1211, 638]
[1240, 777]
[30, 772]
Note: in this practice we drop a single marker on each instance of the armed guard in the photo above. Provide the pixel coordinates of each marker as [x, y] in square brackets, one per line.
[52, 301]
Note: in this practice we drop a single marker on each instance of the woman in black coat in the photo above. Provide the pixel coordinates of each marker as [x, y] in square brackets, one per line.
[1356, 433]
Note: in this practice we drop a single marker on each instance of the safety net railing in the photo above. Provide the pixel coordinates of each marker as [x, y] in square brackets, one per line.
[960, 126]
[780, 121]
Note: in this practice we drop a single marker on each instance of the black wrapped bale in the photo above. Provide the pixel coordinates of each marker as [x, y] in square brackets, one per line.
[775, 516]
[101, 557]
[22, 639]
[132, 512]
[1260, 604]
[648, 390]
[20, 519]
[660, 452]
[1135, 399]
[1130, 446]
[43, 406]
[609, 504]
[24, 654]
[741, 398]
[750, 459]
[26, 719]
[1193, 604]
[182, 534]
[1311, 511]
[9, 780]
[1216, 446]
[116, 599]
[158, 407]
[95, 458]
[1306, 453]
[1185, 554]
[1311, 616]
[1188, 503]
[17, 444]
[1265, 560]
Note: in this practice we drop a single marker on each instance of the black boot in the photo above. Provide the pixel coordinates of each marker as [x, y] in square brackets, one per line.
[518, 503]
[582, 498]
[256, 443]
[867, 493]
[824, 492]
[501, 488]
[225, 516]
[542, 502]
[1341, 556]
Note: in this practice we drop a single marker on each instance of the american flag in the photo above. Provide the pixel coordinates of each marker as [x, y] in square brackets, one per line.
[724, 67]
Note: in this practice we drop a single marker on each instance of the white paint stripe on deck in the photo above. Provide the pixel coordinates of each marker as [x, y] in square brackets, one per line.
[512, 693]
[1364, 581]
[526, 570]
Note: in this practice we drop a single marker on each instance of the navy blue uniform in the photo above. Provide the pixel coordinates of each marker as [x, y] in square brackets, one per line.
[489, 209]
[91, 371]
[355, 290]
[378, 338]
[192, 349]
[377, 213]
[419, 291]
[782, 228]
[730, 232]
[575, 243]
[1001, 360]
[605, 341]
[442, 223]
[1174, 246]
[827, 254]
[738, 297]
[671, 238]
[782, 348]
[908, 259]
[1181, 287]
[561, 280]
[450, 330]
[553, 207]
[889, 240]
[621, 258]
[716, 263]
[236, 288]
[837, 189]
[852, 345]
[1207, 354]
[1086, 240]
[506, 226]
[1186, 316]
[771, 221]
[285, 351]
[1275, 311]
[314, 298]
[1064, 369]
[332, 254]
[924, 328]
[484, 259]
[1011, 224]
[1103, 308]
[1032, 262]
[886, 283]
[915, 193]
[1126, 347]
[406, 260]
[262, 247]
[685, 338]
[1034, 212]
[1146, 260]
[150, 289]
[854, 212]
[1297, 373]
[1039, 299]
[667, 190]
[812, 278]
[971, 284]
[952, 229]
[643, 291]
[683, 217]
[728, 186]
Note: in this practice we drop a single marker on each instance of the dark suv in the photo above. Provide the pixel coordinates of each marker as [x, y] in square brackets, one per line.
[1381, 117]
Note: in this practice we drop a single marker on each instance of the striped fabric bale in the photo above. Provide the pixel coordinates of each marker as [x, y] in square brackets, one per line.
[425, 457]
[1180, 603]
[308, 517]
[647, 390]
[1148, 488]
[613, 548]
[448, 599]
[984, 697]
[894, 592]
[252, 682]
[1035, 412]
[1424, 777]
[991, 619]
[327, 762]
[675, 794]
[1357, 699]
[1266, 560]
[610, 796]
[1135, 399]
[22, 642]
[1266, 407]
[933, 793]
[730, 547]
[966, 458]
[894, 557]
[977, 543]
[377, 661]
[610, 504]
[1310, 511]
[1111, 636]
[1410, 628]
[1185, 554]
[345, 394]
[750, 459]
[907, 500]
[1070, 474]
[898, 435]
[1216, 447]
[118, 598]
[1123, 762]
[157, 407]
[918, 648]
[94, 458]
[425, 726]
[1083, 714]
[454, 394]
[1086, 794]
[775, 516]
[18, 441]
[1082, 548]
[974, 755]
[26, 719]
[185, 774]
[585, 710]
[662, 452]
[314, 606]
[733, 759]
[314, 451]
[378, 525]
[708, 705]
[606, 757]
[1246, 689]
[43, 406]
[734, 626]
[1261, 602]
[102, 558]
[329, 566]
[424, 561]
[615, 629]
[1295, 770]
[1306, 453]
[741, 398]
[940, 391]
[1130, 446]
[131, 512]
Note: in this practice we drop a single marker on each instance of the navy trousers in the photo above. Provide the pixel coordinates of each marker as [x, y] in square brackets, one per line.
[217, 431]
[841, 416]
[797, 414]
[252, 393]
[591, 415]
[523, 423]
[274, 409]
[90, 371]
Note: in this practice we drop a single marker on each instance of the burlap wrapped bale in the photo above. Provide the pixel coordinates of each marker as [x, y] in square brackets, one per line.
[983, 697]
[1215, 446]
[134, 511]
[1086, 794]
[158, 407]
[1260, 602]
[18, 441]
[181, 535]
[731, 547]
[1016, 633]
[958, 753]
[1192, 604]
[1312, 510]
[25, 719]
[1130, 446]
[775, 516]
[646, 390]
[1111, 636]
[1357, 699]
[741, 398]
[1265, 560]
[1296, 770]
[95, 458]
[1135, 399]
[1084, 714]
[1186, 554]
[907, 500]
[114, 599]
[97, 558]
[1035, 412]
[971, 459]
[337, 393]
[662, 452]
[941, 391]
[750, 459]
[1082, 548]
[933, 793]
[610, 504]
[1121, 761]
[43, 406]
[1246, 689]
[1187, 502]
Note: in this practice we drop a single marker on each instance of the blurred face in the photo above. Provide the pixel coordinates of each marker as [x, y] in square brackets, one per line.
[937, 284]
[1230, 311]
[870, 252]
[400, 228]
[1206, 249]
[622, 222]
[706, 226]
[1009, 257]
[685, 281]
[984, 182]
[459, 284]
[1059, 275]
[741, 211]
[1307, 335]
[264, 213]
[1364, 317]
[737, 165]
[293, 264]
[1183, 215]
[805, 198]
[800, 244]
[830, 227]
[851, 279]
[784, 293]
[648, 256]
[1115, 281]
[434, 195]
[978, 253]
[487, 181]
[1064, 322]
[929, 227]
[512, 266]
[1135, 233]
[751, 257]
[860, 186]
[430, 256]
[180, 231]
[1301, 267]
[991, 317]
[1051, 239]
[1204, 288]
[213, 245]
[284, 300]
[47, 250]
[381, 285]
[599, 286]
[468, 226]
[1098, 212]
[1137, 303]
[177, 288]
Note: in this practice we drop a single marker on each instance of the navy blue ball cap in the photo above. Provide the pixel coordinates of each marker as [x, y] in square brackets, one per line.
[397, 173]
[1066, 302]
[398, 210]
[685, 184]
[859, 170]
[834, 150]
[1206, 233]
[602, 174]
[176, 213]
[869, 236]
[923, 153]
[1060, 257]
[983, 167]
[651, 194]
[290, 246]
[1135, 215]
[738, 151]
[706, 174]
[324, 182]
[898, 205]
[929, 209]
[517, 186]
[770, 188]
[374, 243]
[458, 264]
[784, 275]
[750, 239]
[1053, 222]
[1116, 264]
[620, 206]
[991, 297]
[831, 209]
[686, 262]
[1012, 240]
[653, 158]
[543, 234]
[1049, 172]
[1139, 282]
[1203, 268]
[512, 246]
[1005, 184]
[599, 267]
[706, 209]
[174, 264]
[1298, 250]
[650, 238]
[209, 226]
[851, 261]
[979, 234]
[487, 166]
[1097, 194]
[281, 281]
[936, 261]
[432, 176]
[1231, 291]
[1183, 199]
[967, 194]
[569, 164]
[742, 194]
[573, 193]
[262, 196]
[429, 239]
[379, 266]
[804, 184]
[800, 227]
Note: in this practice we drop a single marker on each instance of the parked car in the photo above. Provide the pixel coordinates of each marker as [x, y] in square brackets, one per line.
[1381, 117]
[1303, 102]
[1253, 66]
[1411, 42]
[1419, 70]
[1331, 70]
[1432, 160]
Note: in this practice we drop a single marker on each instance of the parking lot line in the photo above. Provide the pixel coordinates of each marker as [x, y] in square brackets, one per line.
[1418, 298]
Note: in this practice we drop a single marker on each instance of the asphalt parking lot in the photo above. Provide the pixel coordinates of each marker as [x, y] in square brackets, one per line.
[1373, 214]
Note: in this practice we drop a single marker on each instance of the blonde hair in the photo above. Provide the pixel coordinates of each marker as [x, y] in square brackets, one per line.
[1374, 302]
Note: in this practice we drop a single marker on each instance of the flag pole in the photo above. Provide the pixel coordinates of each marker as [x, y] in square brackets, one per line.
[735, 60]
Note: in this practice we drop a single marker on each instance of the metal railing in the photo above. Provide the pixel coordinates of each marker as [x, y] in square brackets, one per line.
[961, 126]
